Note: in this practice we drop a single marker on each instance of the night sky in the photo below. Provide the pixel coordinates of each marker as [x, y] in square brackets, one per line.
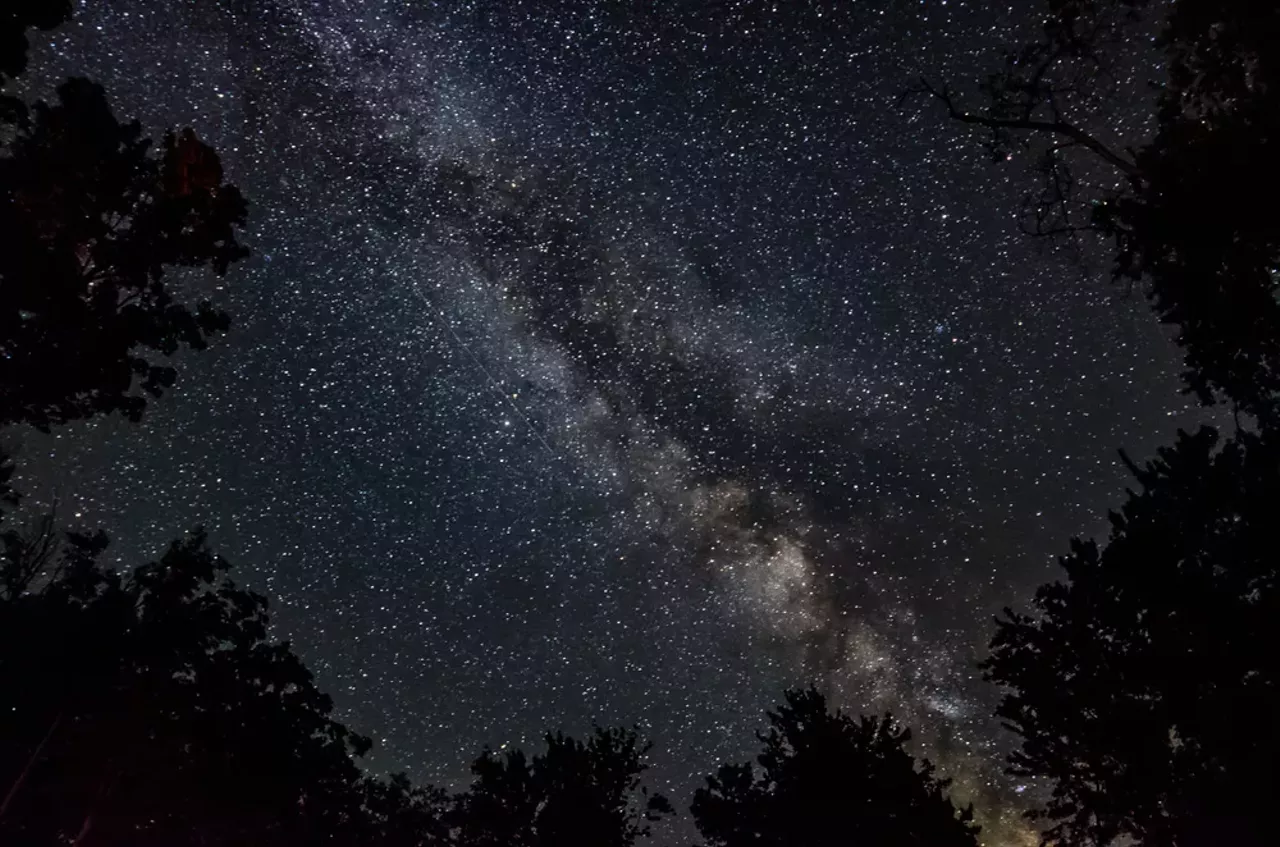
[809, 408]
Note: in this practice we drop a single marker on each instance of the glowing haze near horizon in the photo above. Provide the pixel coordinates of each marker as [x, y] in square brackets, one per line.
[842, 414]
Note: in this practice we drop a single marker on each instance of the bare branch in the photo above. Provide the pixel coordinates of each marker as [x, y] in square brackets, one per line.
[1027, 124]
[27, 555]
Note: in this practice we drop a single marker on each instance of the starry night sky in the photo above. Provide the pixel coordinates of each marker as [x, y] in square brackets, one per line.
[811, 409]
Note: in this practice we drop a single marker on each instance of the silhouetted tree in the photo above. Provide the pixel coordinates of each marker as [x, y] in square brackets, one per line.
[827, 779]
[91, 219]
[16, 18]
[1139, 685]
[147, 708]
[153, 709]
[396, 813]
[1189, 208]
[1147, 686]
[573, 794]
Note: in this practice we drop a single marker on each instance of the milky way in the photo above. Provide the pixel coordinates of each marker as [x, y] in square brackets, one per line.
[624, 362]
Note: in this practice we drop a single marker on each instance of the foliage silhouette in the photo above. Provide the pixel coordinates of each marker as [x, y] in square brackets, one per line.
[826, 779]
[15, 19]
[1189, 210]
[396, 813]
[155, 710]
[1146, 686]
[1140, 686]
[92, 218]
[574, 793]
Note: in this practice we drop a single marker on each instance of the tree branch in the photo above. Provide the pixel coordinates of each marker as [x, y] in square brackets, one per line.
[1027, 124]
[31, 762]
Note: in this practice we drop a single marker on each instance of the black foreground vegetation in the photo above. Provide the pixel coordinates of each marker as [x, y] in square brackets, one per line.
[151, 706]
[1141, 686]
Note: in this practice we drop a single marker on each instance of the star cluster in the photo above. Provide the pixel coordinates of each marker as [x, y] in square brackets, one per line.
[623, 362]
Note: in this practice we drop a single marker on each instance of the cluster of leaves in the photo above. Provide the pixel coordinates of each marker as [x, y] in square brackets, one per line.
[573, 794]
[16, 18]
[158, 706]
[1199, 225]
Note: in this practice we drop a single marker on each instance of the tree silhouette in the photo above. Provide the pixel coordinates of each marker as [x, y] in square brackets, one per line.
[1138, 685]
[1146, 687]
[575, 793]
[153, 709]
[92, 217]
[396, 813]
[1189, 209]
[15, 19]
[827, 779]
[147, 708]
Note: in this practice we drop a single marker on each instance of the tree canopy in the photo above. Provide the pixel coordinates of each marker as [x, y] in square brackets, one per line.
[93, 218]
[152, 708]
[575, 793]
[827, 779]
[1139, 685]
[1185, 198]
[1146, 685]
[155, 709]
[16, 18]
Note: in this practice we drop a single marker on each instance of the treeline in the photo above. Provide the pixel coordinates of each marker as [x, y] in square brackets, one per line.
[154, 710]
[151, 707]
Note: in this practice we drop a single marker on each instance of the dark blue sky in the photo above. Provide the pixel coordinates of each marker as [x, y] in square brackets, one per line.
[811, 409]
